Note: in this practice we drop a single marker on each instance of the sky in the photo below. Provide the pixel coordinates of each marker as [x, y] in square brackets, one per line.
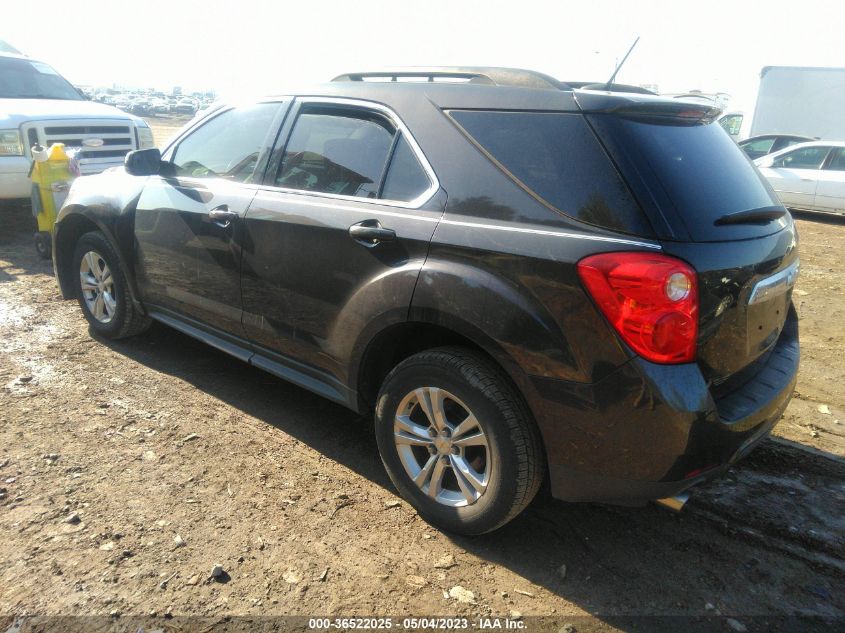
[252, 47]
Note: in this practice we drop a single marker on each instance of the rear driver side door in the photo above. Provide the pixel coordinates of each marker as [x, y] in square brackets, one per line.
[335, 239]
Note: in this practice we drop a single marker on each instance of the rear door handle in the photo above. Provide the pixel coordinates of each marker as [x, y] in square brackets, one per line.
[221, 215]
[371, 232]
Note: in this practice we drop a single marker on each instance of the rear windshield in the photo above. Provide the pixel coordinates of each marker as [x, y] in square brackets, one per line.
[696, 172]
[557, 158]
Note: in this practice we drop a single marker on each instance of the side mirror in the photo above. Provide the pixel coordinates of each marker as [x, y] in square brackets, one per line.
[765, 161]
[143, 162]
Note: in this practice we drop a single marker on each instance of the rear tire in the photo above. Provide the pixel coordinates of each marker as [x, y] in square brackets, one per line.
[102, 289]
[458, 441]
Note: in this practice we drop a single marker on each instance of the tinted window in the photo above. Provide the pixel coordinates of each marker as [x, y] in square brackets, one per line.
[557, 157]
[785, 142]
[837, 160]
[758, 147]
[405, 179]
[696, 172]
[228, 145]
[804, 158]
[340, 153]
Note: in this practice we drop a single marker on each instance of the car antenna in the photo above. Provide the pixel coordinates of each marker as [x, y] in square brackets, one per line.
[615, 72]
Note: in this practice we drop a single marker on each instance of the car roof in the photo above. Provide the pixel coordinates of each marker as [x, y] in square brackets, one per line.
[762, 136]
[819, 143]
[483, 87]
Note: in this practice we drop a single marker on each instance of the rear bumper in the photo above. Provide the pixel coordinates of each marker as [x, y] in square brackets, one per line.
[651, 431]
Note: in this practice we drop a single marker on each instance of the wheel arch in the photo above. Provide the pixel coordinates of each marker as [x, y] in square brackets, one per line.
[395, 343]
[74, 223]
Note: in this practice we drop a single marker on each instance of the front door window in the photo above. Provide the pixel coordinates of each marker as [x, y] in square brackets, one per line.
[228, 146]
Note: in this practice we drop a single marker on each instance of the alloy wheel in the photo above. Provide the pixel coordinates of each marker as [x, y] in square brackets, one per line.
[442, 446]
[97, 286]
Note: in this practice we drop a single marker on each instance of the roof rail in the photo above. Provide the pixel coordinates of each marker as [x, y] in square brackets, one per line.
[472, 74]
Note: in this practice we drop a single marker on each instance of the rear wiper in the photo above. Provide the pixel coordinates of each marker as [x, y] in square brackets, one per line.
[753, 216]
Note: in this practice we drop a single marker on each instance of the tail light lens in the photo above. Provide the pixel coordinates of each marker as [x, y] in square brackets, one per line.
[651, 300]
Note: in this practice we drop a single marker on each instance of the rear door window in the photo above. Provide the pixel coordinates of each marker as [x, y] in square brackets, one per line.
[802, 158]
[557, 158]
[758, 147]
[337, 152]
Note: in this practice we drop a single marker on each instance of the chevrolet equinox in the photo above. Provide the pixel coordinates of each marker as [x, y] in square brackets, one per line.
[520, 279]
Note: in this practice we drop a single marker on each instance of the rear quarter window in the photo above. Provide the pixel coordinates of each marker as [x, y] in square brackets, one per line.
[557, 158]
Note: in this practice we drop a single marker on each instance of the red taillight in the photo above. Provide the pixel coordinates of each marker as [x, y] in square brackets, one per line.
[651, 300]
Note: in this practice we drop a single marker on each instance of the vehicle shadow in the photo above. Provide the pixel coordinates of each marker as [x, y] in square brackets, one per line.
[609, 561]
[17, 250]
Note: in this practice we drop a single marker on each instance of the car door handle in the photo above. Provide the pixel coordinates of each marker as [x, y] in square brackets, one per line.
[221, 215]
[370, 233]
[807, 180]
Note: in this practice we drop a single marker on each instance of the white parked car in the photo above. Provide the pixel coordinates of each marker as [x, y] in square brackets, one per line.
[808, 176]
[39, 106]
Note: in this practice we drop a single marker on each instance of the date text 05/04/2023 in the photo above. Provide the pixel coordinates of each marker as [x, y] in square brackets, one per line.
[416, 624]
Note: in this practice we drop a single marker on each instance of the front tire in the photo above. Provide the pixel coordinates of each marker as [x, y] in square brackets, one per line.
[102, 289]
[458, 441]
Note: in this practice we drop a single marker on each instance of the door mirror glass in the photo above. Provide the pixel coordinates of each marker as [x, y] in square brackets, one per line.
[143, 162]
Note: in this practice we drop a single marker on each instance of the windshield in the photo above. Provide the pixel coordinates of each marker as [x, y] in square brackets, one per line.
[28, 79]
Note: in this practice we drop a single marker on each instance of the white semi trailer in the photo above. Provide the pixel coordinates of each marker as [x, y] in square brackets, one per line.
[807, 101]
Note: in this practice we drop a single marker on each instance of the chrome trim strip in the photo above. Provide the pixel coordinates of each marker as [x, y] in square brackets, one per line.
[581, 236]
[343, 207]
[473, 225]
[775, 285]
[434, 183]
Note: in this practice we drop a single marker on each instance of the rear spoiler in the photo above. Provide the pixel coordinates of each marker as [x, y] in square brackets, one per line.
[653, 109]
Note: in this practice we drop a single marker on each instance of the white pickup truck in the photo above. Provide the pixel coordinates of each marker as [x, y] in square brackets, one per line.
[39, 106]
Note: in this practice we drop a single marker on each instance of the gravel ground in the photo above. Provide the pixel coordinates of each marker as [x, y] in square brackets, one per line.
[129, 470]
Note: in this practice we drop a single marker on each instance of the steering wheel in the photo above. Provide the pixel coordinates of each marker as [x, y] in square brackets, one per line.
[196, 170]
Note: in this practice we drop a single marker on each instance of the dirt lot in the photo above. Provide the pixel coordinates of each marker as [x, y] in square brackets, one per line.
[129, 469]
[164, 127]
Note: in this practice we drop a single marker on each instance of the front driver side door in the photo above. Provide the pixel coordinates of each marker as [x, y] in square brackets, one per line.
[188, 222]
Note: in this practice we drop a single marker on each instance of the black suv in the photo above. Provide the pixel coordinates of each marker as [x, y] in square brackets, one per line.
[522, 279]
